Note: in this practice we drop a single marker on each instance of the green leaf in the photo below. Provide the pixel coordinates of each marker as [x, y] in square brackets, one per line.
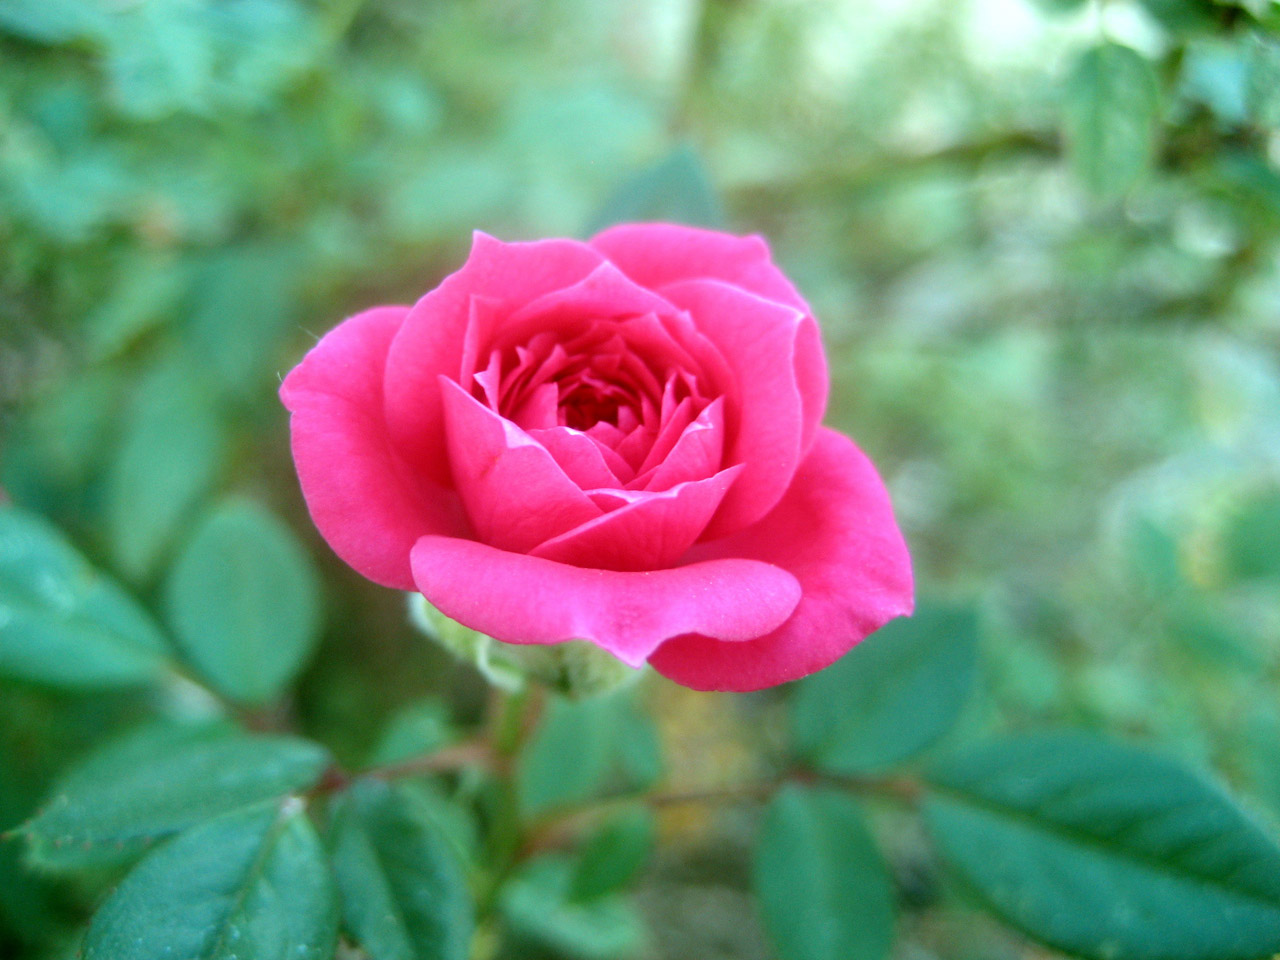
[417, 728]
[676, 189]
[568, 759]
[823, 890]
[147, 291]
[452, 815]
[1251, 537]
[404, 896]
[1102, 850]
[613, 855]
[1110, 112]
[1215, 73]
[538, 910]
[55, 448]
[582, 747]
[1060, 6]
[166, 463]
[160, 780]
[62, 622]
[892, 695]
[251, 885]
[159, 58]
[1264, 80]
[244, 602]
[51, 21]
[1184, 16]
[243, 309]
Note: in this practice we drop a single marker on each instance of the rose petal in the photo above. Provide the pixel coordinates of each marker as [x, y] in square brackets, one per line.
[605, 293]
[515, 493]
[812, 378]
[432, 340]
[698, 452]
[672, 428]
[586, 461]
[657, 254]
[650, 533]
[524, 599]
[757, 339]
[835, 531]
[357, 490]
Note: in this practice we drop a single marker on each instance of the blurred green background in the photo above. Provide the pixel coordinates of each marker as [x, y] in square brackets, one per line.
[1041, 238]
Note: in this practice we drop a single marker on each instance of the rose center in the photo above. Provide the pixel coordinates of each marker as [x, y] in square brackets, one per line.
[583, 407]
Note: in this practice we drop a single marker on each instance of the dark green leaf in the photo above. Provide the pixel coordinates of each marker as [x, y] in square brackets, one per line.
[147, 292]
[613, 855]
[1184, 16]
[251, 885]
[677, 189]
[1252, 538]
[537, 908]
[417, 728]
[823, 890]
[55, 450]
[404, 896]
[638, 745]
[1110, 110]
[166, 462]
[568, 759]
[244, 602]
[453, 817]
[62, 622]
[159, 780]
[892, 695]
[1105, 851]
[584, 746]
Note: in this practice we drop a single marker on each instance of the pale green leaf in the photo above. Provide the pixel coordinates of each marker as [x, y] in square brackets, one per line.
[244, 602]
[167, 461]
[62, 622]
[1110, 110]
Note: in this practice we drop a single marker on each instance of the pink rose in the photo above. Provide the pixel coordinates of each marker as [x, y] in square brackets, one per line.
[617, 441]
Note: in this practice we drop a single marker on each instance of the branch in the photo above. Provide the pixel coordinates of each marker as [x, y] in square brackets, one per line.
[469, 753]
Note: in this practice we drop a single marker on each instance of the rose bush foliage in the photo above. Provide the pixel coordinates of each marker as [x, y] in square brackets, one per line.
[618, 441]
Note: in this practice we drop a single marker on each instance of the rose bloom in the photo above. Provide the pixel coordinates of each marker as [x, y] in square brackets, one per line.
[616, 441]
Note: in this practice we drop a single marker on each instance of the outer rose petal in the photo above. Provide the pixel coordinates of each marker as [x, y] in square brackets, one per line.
[433, 337]
[522, 599]
[359, 493]
[656, 254]
[835, 531]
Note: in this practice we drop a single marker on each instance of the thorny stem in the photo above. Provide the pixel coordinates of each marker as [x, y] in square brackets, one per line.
[469, 753]
[512, 719]
[561, 825]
